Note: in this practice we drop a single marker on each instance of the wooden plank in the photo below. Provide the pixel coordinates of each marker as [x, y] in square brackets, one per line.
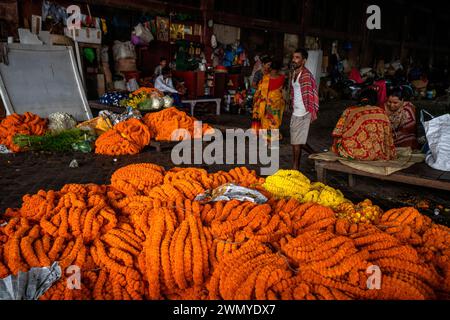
[321, 172]
[351, 180]
[445, 176]
[396, 177]
[424, 171]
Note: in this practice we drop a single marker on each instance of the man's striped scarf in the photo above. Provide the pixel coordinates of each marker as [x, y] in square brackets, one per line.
[309, 93]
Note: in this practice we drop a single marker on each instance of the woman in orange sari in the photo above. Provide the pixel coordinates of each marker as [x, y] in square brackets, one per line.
[269, 104]
[364, 133]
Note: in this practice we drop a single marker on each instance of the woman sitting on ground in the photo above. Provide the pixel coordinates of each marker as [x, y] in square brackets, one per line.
[402, 115]
[364, 132]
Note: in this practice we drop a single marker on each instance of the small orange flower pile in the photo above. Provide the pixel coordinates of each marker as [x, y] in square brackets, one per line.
[364, 212]
[126, 138]
[27, 124]
[148, 91]
[171, 124]
[144, 237]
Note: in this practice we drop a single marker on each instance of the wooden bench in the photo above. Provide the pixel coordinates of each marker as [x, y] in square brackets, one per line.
[418, 175]
[194, 102]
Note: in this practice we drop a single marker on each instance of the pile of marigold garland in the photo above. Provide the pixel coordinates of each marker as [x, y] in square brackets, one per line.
[131, 136]
[164, 124]
[143, 237]
[126, 138]
[27, 124]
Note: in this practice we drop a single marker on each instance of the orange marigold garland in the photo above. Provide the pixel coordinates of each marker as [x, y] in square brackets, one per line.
[144, 237]
[137, 179]
[27, 124]
[164, 124]
[126, 138]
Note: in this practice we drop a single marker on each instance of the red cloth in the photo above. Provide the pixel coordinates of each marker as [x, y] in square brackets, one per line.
[404, 126]
[276, 83]
[355, 76]
[309, 93]
[364, 133]
[382, 92]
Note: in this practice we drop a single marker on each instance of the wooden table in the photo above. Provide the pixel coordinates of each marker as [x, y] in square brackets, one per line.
[419, 174]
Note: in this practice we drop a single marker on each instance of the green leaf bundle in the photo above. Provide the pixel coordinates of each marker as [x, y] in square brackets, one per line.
[59, 142]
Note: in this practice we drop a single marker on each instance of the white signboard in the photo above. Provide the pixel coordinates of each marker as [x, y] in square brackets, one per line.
[42, 80]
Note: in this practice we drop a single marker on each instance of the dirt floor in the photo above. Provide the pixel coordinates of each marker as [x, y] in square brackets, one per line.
[29, 172]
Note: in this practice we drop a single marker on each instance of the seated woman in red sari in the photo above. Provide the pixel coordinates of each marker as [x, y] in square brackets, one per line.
[402, 115]
[364, 132]
[269, 104]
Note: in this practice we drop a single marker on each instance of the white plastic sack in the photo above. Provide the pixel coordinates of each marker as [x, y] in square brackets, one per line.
[437, 131]
[4, 150]
[60, 121]
[143, 33]
[123, 50]
[230, 191]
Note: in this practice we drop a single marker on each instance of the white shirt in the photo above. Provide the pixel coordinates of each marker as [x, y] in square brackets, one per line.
[158, 71]
[164, 85]
[299, 105]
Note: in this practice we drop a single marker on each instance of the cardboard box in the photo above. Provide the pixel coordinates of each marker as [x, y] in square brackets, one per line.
[126, 65]
[60, 40]
[85, 35]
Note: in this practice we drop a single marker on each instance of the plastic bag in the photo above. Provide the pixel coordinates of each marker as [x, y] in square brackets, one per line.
[152, 103]
[168, 101]
[29, 285]
[83, 146]
[123, 50]
[61, 121]
[117, 118]
[98, 125]
[438, 135]
[4, 149]
[143, 33]
[229, 191]
[54, 11]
